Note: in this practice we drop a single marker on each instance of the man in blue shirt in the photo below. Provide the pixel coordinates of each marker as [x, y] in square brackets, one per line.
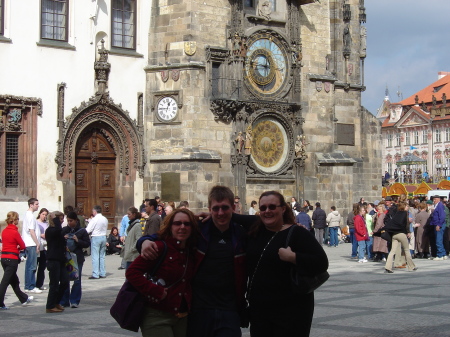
[438, 221]
[303, 219]
[123, 233]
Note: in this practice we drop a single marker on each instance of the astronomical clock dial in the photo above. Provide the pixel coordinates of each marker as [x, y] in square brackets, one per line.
[266, 65]
[167, 109]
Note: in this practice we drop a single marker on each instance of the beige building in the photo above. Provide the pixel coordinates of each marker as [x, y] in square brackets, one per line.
[183, 95]
[418, 125]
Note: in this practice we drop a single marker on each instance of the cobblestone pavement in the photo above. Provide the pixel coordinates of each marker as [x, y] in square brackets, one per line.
[358, 300]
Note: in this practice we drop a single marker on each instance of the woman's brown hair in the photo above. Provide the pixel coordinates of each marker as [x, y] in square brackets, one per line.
[165, 231]
[11, 217]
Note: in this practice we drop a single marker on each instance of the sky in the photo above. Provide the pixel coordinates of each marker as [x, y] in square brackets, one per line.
[406, 47]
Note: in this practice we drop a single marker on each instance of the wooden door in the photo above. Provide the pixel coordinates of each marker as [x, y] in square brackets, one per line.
[95, 175]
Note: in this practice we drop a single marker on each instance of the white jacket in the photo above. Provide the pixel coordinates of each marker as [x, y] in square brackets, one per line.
[333, 219]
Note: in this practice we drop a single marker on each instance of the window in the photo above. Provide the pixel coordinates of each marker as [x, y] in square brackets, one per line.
[274, 5]
[389, 167]
[407, 138]
[124, 24]
[54, 19]
[2, 16]
[397, 139]
[424, 136]
[389, 140]
[438, 135]
[447, 134]
[416, 137]
[12, 161]
[18, 149]
[249, 3]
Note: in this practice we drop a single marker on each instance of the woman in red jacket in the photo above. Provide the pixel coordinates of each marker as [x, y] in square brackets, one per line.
[169, 298]
[361, 233]
[12, 243]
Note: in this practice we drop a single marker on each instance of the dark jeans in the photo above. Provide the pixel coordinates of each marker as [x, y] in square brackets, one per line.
[73, 296]
[353, 241]
[42, 264]
[10, 278]
[213, 323]
[59, 281]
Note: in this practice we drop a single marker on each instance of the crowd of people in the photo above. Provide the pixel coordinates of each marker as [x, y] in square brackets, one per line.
[221, 273]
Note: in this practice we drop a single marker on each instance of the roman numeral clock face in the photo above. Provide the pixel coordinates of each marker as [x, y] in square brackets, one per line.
[265, 65]
[167, 109]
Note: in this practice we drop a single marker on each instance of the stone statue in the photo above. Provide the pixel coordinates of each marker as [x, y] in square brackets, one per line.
[300, 147]
[363, 46]
[265, 9]
[239, 143]
[248, 142]
[347, 39]
[444, 100]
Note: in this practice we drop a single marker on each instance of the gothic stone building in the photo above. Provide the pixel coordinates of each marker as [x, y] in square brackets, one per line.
[260, 95]
[113, 101]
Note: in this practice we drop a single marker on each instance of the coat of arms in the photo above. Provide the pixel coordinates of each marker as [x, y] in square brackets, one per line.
[190, 47]
[327, 86]
[175, 75]
[319, 86]
[164, 75]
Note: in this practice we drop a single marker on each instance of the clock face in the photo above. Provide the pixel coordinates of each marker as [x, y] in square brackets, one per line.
[167, 109]
[266, 65]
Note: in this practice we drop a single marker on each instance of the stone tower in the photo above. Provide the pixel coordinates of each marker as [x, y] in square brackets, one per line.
[259, 95]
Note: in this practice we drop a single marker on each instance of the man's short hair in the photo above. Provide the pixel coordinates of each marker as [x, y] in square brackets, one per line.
[31, 201]
[317, 204]
[68, 209]
[220, 193]
[388, 198]
[184, 204]
[333, 208]
[97, 208]
[152, 202]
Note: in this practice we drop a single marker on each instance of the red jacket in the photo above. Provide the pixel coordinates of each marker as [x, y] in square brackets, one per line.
[10, 240]
[171, 271]
[361, 233]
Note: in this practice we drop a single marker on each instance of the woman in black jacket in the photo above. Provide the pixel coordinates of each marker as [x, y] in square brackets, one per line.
[398, 228]
[113, 243]
[56, 260]
[77, 238]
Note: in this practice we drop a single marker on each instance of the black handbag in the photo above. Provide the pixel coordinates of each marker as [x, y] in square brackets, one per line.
[302, 283]
[128, 309]
[385, 235]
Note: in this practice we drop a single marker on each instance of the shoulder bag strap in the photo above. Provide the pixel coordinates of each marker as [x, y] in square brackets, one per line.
[160, 260]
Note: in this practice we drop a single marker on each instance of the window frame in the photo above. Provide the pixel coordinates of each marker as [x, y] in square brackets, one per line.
[407, 138]
[447, 134]
[389, 140]
[66, 25]
[2, 17]
[113, 9]
[437, 136]
[424, 137]
[25, 129]
[416, 137]
[398, 139]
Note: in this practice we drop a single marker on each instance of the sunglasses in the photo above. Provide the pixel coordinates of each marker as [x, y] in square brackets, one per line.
[272, 207]
[223, 207]
[179, 223]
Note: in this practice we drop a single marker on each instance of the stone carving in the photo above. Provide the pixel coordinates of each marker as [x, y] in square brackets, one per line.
[14, 118]
[444, 100]
[265, 9]
[121, 131]
[23, 101]
[190, 47]
[433, 98]
[102, 68]
[363, 44]
[347, 39]
[216, 54]
[416, 99]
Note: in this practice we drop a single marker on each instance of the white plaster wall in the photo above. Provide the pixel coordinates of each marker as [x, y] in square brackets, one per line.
[34, 71]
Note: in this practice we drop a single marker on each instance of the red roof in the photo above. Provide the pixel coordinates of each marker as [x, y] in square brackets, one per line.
[426, 95]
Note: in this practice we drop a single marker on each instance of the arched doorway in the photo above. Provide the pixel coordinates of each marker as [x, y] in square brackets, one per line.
[95, 167]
